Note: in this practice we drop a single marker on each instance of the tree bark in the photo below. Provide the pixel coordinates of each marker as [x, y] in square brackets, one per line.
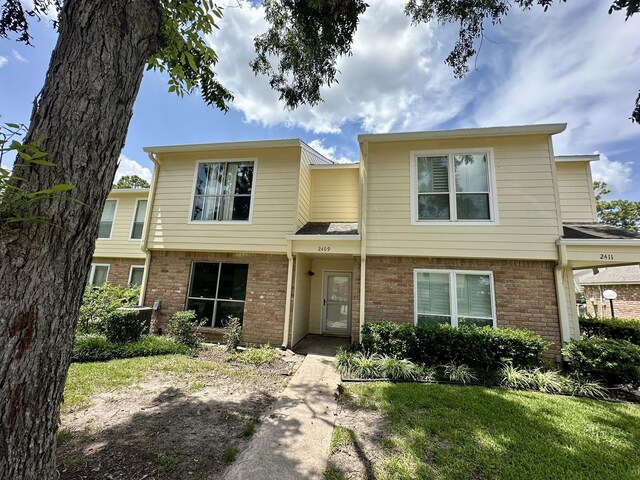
[83, 110]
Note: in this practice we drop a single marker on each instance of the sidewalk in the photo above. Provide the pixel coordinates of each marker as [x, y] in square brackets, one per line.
[293, 442]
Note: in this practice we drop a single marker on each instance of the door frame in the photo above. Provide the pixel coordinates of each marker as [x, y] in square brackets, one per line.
[323, 310]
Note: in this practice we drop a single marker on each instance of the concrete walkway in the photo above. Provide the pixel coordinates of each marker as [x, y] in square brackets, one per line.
[293, 442]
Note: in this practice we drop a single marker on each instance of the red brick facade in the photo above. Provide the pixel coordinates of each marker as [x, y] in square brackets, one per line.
[627, 305]
[525, 291]
[119, 268]
[264, 309]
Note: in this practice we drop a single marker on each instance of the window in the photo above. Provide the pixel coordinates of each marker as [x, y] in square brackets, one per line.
[452, 187]
[223, 191]
[106, 221]
[98, 274]
[217, 291]
[138, 220]
[454, 297]
[135, 274]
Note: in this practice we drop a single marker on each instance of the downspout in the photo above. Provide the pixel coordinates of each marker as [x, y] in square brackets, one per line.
[565, 334]
[287, 308]
[147, 222]
[363, 233]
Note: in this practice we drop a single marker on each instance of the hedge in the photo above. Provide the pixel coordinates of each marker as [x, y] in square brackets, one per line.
[615, 362]
[613, 328]
[94, 348]
[479, 348]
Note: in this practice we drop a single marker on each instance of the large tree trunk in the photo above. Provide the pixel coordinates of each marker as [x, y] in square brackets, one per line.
[84, 110]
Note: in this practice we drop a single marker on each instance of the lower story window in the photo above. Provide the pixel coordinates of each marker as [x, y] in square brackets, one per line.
[217, 292]
[98, 274]
[136, 274]
[454, 297]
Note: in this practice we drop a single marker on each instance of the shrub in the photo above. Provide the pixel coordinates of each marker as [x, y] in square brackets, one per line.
[182, 328]
[397, 368]
[579, 385]
[548, 381]
[124, 326]
[93, 348]
[614, 362]
[100, 302]
[514, 377]
[613, 328]
[479, 348]
[233, 334]
[458, 373]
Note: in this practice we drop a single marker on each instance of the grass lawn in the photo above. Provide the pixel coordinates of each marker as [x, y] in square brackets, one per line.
[413, 431]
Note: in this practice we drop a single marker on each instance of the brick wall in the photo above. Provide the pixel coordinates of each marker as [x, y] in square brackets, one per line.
[524, 290]
[627, 305]
[118, 268]
[266, 290]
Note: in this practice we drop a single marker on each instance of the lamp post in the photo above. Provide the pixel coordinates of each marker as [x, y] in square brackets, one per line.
[611, 296]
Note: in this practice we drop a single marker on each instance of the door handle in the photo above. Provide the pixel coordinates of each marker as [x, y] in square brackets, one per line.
[324, 302]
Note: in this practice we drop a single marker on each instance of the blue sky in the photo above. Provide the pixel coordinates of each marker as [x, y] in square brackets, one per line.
[574, 64]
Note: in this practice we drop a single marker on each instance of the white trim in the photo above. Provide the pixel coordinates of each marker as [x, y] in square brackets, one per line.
[323, 237]
[253, 192]
[577, 158]
[92, 272]
[203, 147]
[131, 272]
[541, 129]
[113, 223]
[453, 292]
[133, 220]
[612, 242]
[491, 184]
[323, 315]
[329, 166]
[129, 190]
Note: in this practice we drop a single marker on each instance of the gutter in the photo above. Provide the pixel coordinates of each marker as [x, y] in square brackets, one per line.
[147, 222]
[565, 334]
[363, 233]
[287, 308]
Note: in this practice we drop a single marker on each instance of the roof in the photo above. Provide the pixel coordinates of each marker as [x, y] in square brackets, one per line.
[329, 228]
[129, 190]
[597, 231]
[612, 275]
[541, 129]
[577, 158]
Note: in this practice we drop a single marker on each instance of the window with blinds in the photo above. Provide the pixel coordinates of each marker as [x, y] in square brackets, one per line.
[138, 220]
[107, 218]
[454, 297]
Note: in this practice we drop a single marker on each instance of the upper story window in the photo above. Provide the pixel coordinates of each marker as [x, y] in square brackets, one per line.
[455, 186]
[138, 220]
[223, 191]
[107, 219]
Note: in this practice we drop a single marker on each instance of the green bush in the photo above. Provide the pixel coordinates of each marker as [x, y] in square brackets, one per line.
[124, 326]
[615, 362]
[478, 348]
[94, 348]
[613, 328]
[182, 327]
[233, 334]
[99, 302]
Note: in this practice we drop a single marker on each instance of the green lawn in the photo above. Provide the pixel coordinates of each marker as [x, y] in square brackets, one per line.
[445, 432]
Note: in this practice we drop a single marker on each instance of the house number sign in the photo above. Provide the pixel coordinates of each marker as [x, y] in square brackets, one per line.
[324, 249]
[606, 256]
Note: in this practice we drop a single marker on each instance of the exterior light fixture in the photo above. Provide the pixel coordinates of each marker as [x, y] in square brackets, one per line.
[611, 296]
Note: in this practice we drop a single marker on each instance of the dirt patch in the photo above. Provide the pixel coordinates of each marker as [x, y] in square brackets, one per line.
[171, 425]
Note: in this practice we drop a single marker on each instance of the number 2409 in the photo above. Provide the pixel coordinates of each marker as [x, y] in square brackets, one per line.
[324, 249]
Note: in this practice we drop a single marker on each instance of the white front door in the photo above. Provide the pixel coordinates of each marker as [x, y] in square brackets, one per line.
[336, 303]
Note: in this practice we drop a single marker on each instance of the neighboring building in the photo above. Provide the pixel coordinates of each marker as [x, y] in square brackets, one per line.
[480, 226]
[625, 281]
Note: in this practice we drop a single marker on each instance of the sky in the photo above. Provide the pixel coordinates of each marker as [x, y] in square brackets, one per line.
[573, 64]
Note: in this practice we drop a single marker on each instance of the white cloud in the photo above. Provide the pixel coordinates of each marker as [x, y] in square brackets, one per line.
[329, 151]
[3, 61]
[617, 175]
[19, 57]
[131, 167]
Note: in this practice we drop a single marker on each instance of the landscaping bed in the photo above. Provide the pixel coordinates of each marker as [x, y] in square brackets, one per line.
[166, 417]
[416, 431]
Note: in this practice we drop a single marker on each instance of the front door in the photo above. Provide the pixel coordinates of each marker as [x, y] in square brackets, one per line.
[336, 303]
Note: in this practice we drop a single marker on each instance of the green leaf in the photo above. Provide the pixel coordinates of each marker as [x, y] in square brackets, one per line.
[39, 161]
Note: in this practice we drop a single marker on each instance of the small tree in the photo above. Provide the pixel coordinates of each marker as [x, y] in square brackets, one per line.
[619, 213]
[131, 181]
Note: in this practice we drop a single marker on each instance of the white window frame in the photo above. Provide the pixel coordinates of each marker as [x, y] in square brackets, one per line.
[249, 221]
[92, 273]
[133, 220]
[115, 215]
[453, 292]
[450, 152]
[131, 272]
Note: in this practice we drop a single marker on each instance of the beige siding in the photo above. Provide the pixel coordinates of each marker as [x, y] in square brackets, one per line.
[315, 307]
[528, 219]
[119, 245]
[274, 204]
[334, 194]
[302, 292]
[576, 192]
[304, 189]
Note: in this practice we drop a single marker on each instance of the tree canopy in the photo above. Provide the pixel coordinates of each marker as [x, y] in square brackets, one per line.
[131, 181]
[619, 213]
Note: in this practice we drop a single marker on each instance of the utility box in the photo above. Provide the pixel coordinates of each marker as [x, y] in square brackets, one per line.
[144, 314]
